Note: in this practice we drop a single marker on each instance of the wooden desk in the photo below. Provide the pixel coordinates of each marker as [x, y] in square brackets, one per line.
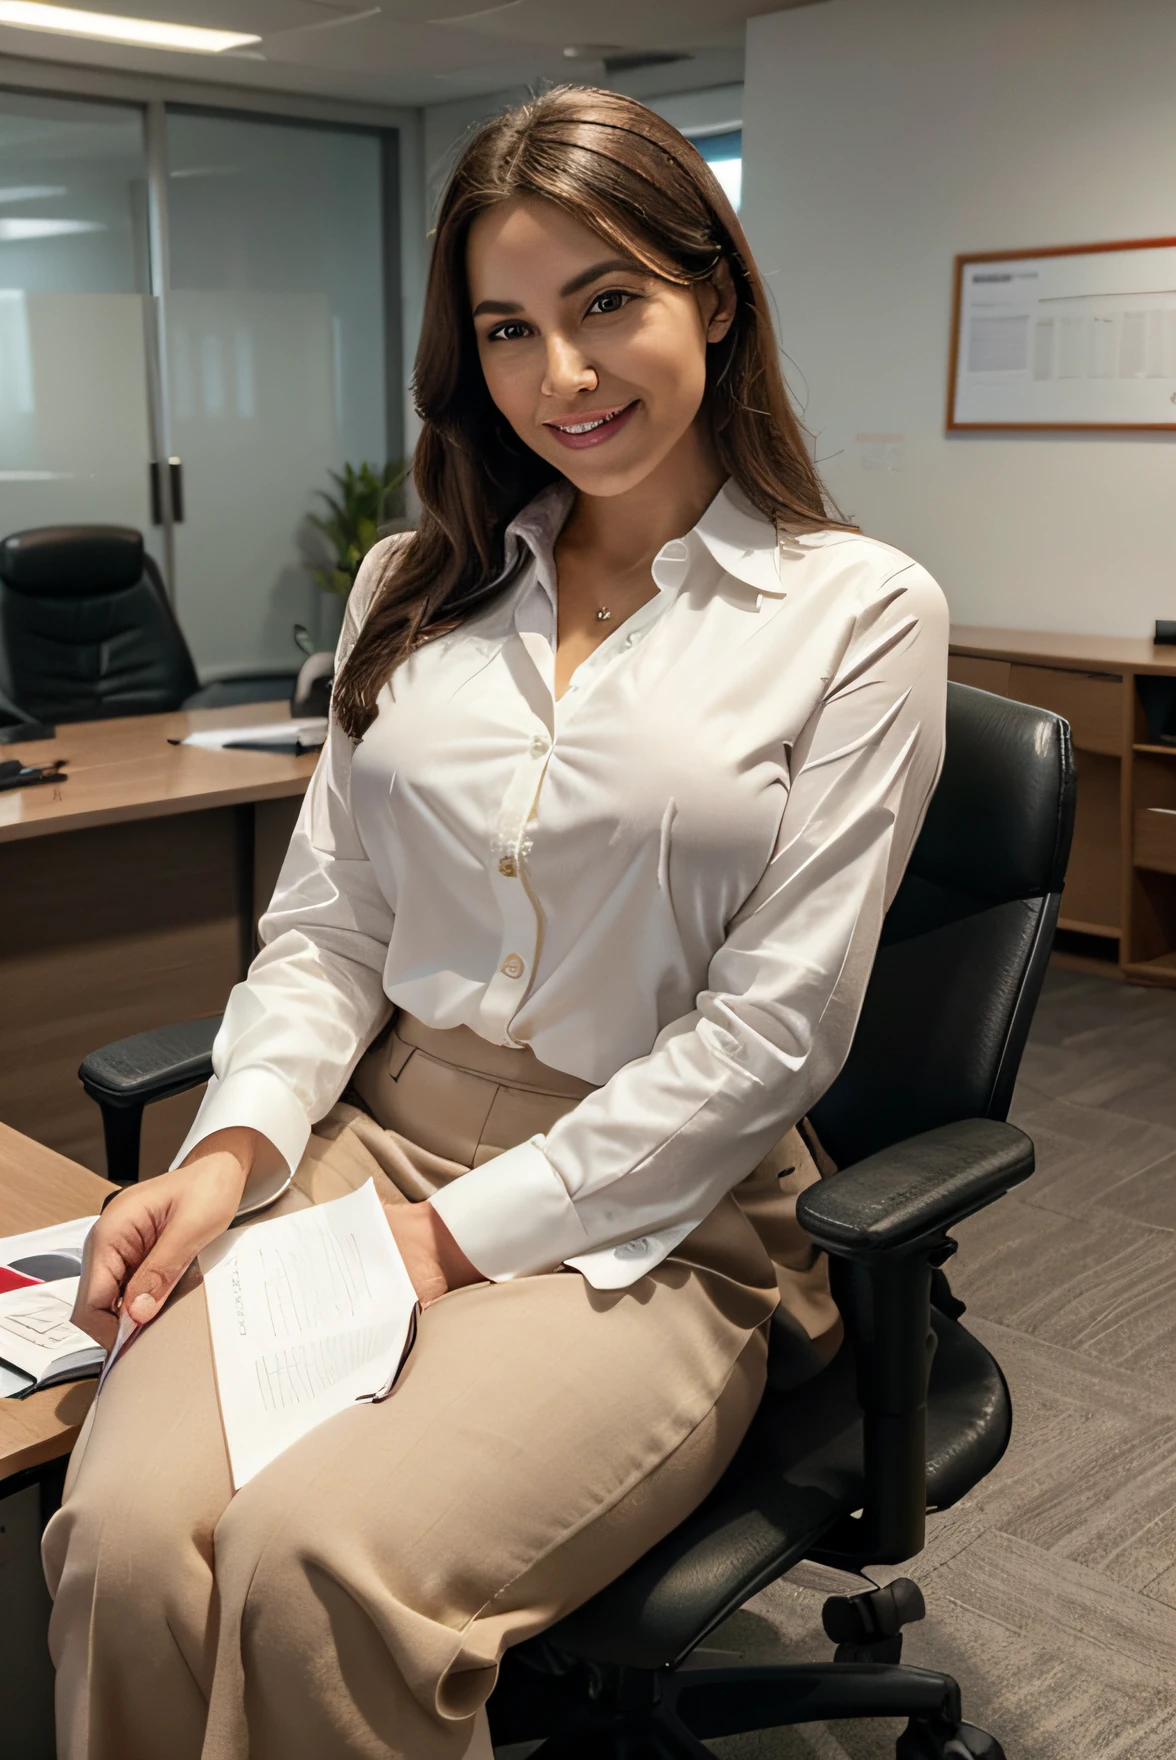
[1121, 886]
[128, 899]
[37, 1188]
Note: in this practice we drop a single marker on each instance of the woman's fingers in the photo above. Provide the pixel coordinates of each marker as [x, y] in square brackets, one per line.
[113, 1248]
[161, 1270]
[141, 1246]
[95, 1308]
[202, 1199]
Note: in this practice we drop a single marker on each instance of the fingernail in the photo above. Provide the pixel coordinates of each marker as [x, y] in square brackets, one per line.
[142, 1309]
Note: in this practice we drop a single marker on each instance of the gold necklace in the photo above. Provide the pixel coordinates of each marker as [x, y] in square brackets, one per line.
[603, 614]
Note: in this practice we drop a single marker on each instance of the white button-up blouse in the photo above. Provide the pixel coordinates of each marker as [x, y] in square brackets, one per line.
[669, 883]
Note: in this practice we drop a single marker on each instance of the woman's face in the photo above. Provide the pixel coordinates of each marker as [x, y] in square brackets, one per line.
[598, 366]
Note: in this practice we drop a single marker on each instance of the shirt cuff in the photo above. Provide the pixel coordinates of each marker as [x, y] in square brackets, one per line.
[260, 1100]
[512, 1216]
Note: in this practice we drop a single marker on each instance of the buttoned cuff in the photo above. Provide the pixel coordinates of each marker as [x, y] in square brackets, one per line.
[261, 1101]
[512, 1216]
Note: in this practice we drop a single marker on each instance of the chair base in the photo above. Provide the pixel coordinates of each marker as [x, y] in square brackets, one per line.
[637, 1714]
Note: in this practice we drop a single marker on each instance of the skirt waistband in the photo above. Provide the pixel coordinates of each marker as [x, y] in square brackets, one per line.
[442, 1100]
[463, 1049]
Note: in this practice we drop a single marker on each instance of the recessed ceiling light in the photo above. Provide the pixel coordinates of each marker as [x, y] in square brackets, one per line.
[32, 192]
[13, 231]
[31, 15]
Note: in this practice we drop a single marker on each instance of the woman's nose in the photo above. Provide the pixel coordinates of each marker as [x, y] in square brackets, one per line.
[567, 370]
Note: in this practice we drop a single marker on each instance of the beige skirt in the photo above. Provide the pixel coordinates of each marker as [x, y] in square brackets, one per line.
[431, 1103]
[353, 1599]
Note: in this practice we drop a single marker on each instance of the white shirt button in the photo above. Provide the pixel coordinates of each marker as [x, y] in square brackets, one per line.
[539, 745]
[512, 966]
[632, 1249]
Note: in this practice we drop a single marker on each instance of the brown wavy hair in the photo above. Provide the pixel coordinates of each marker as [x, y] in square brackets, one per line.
[625, 172]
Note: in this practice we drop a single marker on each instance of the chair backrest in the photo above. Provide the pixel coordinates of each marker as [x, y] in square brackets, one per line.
[86, 630]
[966, 941]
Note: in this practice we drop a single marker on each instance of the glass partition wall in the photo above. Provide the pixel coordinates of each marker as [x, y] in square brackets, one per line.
[207, 288]
[74, 411]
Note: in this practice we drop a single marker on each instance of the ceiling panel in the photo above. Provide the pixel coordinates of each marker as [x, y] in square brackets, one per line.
[422, 51]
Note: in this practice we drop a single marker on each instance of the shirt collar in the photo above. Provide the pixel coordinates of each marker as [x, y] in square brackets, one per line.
[537, 527]
[742, 541]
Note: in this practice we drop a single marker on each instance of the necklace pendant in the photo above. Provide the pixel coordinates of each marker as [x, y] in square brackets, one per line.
[603, 615]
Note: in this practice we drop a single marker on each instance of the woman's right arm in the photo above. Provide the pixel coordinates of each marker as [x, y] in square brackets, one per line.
[292, 1033]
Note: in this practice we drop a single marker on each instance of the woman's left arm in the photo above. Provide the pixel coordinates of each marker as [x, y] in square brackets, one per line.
[655, 1149]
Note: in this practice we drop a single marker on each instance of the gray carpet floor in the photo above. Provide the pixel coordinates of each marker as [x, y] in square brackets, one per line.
[1051, 1589]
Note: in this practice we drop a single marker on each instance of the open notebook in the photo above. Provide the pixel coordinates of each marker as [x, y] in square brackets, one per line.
[309, 1313]
[39, 1344]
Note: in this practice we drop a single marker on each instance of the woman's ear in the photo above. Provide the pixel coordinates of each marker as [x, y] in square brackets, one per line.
[726, 300]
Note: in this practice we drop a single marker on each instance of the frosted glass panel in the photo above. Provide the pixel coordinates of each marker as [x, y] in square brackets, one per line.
[74, 443]
[276, 368]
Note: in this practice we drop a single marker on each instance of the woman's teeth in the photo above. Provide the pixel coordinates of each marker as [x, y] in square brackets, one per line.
[585, 427]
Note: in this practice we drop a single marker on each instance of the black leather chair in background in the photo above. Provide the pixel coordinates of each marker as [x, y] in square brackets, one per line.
[86, 631]
[913, 1411]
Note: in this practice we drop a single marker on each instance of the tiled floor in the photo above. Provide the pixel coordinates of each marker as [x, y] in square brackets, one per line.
[1051, 1589]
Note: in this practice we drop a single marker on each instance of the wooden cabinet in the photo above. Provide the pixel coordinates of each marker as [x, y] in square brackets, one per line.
[1120, 896]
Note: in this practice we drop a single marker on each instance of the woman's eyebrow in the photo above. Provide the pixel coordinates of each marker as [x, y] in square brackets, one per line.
[500, 307]
[587, 276]
[506, 308]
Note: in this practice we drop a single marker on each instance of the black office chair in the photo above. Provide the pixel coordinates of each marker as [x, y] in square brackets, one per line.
[86, 632]
[913, 1411]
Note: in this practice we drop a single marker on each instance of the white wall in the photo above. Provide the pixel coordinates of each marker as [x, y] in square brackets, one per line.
[880, 138]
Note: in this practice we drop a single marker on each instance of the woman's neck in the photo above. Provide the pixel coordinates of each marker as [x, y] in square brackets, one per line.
[623, 531]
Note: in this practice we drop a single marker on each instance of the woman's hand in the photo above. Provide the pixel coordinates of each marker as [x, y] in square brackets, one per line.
[148, 1236]
[432, 1257]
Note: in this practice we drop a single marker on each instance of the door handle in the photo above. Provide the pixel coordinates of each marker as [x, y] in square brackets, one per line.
[175, 471]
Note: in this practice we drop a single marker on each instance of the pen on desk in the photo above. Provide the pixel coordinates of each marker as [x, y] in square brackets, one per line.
[292, 748]
[283, 748]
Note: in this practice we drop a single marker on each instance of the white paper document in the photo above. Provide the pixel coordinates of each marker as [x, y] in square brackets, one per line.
[309, 1313]
[269, 733]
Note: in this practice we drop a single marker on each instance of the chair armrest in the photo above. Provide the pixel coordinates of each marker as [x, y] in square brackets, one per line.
[892, 1202]
[150, 1066]
[884, 1222]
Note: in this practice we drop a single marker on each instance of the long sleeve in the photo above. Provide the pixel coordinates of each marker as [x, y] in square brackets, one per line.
[314, 997]
[642, 1160]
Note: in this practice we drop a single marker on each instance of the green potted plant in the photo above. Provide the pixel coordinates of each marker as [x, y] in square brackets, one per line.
[368, 501]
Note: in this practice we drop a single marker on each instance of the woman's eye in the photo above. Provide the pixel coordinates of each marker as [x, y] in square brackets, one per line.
[511, 331]
[613, 299]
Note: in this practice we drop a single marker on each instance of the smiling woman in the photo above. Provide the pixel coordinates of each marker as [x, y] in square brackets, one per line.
[631, 744]
[607, 361]
[582, 245]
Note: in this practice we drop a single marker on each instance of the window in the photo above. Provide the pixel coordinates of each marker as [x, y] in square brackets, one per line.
[724, 154]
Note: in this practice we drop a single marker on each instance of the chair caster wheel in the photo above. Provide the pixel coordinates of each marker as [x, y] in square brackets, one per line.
[947, 1741]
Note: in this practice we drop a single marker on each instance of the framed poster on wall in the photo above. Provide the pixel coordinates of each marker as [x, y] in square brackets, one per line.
[1071, 337]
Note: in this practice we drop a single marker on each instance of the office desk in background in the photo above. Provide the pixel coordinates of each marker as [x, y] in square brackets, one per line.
[128, 898]
[1120, 894]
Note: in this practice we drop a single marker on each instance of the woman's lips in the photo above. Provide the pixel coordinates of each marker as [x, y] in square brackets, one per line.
[595, 426]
